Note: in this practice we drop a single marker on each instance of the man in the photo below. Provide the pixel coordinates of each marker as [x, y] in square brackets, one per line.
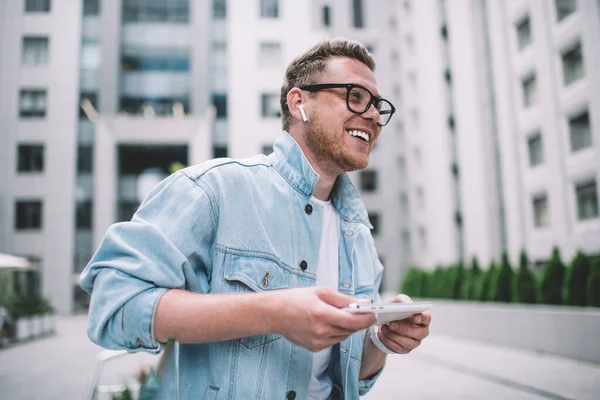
[247, 264]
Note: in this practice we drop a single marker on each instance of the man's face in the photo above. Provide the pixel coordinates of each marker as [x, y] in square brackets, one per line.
[332, 127]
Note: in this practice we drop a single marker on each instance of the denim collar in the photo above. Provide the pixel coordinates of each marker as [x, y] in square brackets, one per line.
[289, 160]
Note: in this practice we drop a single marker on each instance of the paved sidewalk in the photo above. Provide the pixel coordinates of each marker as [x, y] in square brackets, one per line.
[451, 368]
[59, 367]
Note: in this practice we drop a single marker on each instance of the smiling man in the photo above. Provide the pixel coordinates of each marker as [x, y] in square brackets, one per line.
[247, 264]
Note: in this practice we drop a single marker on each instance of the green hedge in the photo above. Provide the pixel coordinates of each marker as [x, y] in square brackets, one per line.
[577, 285]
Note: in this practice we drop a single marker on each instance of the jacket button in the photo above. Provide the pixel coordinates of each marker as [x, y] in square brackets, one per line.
[308, 209]
[291, 395]
[303, 265]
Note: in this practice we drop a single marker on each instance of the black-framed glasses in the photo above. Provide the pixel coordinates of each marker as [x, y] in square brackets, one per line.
[359, 99]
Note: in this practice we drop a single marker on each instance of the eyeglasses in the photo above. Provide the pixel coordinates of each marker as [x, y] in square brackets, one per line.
[358, 99]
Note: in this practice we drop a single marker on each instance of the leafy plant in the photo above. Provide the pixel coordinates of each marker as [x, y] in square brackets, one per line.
[503, 289]
[575, 283]
[524, 288]
[593, 284]
[485, 287]
[552, 280]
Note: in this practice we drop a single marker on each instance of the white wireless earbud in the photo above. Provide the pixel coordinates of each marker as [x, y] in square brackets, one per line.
[304, 117]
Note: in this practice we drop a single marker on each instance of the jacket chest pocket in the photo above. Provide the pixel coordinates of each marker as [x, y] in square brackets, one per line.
[254, 274]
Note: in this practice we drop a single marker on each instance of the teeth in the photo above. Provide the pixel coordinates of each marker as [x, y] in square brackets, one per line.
[360, 134]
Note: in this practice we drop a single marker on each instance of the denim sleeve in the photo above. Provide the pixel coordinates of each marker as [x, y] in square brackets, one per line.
[167, 244]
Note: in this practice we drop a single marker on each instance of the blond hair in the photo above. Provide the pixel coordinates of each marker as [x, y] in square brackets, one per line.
[307, 67]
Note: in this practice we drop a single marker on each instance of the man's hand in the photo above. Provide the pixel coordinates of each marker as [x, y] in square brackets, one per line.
[405, 335]
[312, 317]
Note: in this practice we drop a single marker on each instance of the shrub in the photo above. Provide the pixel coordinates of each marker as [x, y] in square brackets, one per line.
[425, 284]
[474, 278]
[552, 279]
[485, 285]
[524, 288]
[455, 276]
[575, 292]
[502, 287]
[412, 282]
[593, 284]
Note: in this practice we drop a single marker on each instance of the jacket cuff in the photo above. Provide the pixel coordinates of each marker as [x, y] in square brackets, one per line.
[364, 385]
[137, 321]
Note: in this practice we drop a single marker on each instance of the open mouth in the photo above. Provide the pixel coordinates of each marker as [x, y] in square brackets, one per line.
[365, 137]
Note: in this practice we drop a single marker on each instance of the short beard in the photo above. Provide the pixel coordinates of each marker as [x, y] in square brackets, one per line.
[330, 151]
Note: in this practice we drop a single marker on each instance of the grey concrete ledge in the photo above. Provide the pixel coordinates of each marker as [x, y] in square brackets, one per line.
[572, 332]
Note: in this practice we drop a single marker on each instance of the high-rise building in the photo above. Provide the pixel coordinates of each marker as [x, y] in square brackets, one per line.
[494, 145]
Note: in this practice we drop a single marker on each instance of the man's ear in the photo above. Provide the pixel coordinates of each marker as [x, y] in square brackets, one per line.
[294, 100]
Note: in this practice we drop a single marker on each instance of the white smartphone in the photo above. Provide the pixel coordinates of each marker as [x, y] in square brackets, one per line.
[390, 311]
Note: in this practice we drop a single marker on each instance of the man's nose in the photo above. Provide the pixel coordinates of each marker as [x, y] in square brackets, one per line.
[372, 113]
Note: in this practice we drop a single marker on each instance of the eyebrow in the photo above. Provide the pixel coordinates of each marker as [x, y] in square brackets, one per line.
[361, 85]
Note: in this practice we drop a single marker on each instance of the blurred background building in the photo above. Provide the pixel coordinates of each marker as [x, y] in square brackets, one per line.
[494, 145]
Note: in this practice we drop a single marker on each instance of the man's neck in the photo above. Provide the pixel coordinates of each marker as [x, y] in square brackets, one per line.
[324, 184]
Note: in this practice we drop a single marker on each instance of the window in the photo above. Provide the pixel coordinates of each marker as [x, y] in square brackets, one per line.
[267, 149]
[35, 50]
[270, 105]
[160, 105]
[368, 180]
[149, 63]
[423, 237]
[524, 33]
[326, 13]
[32, 103]
[580, 132]
[270, 54]
[91, 8]
[358, 17]
[529, 90]
[572, 62]
[92, 97]
[404, 203]
[536, 149]
[541, 213]
[83, 215]
[220, 151]
[85, 159]
[37, 5]
[219, 100]
[28, 214]
[173, 11]
[31, 158]
[219, 8]
[418, 159]
[269, 8]
[410, 44]
[564, 8]
[90, 55]
[406, 247]
[587, 200]
[126, 210]
[402, 168]
[415, 118]
[420, 197]
[374, 218]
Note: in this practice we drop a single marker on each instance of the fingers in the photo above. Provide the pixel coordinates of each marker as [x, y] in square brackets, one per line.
[408, 330]
[396, 342]
[421, 319]
[334, 298]
[402, 298]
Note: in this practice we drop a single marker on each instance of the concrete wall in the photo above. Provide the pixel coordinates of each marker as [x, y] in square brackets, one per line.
[565, 331]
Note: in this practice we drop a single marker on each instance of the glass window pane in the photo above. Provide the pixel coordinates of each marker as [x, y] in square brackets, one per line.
[541, 213]
[529, 91]
[572, 62]
[358, 17]
[536, 152]
[524, 33]
[368, 180]
[587, 200]
[564, 8]
[270, 105]
[269, 8]
[580, 132]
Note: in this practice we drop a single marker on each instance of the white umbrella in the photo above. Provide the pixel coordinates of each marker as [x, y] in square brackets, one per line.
[14, 262]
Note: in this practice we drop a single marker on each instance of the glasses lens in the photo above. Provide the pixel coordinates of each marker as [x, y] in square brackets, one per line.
[385, 112]
[358, 99]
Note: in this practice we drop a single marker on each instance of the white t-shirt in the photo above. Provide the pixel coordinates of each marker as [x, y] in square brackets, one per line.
[327, 275]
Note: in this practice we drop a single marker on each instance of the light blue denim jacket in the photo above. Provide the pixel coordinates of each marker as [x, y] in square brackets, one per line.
[220, 227]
